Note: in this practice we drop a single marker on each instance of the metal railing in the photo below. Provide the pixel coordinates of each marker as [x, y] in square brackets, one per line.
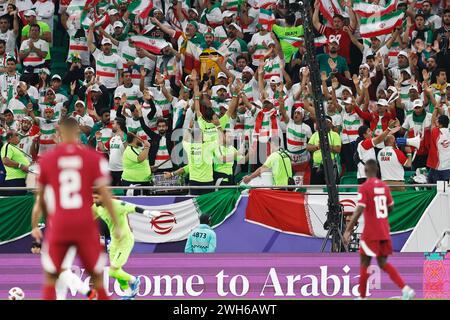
[159, 188]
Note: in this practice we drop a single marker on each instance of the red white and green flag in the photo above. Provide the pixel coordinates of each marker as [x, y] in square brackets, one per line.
[320, 41]
[141, 8]
[266, 18]
[294, 41]
[380, 25]
[152, 45]
[329, 8]
[266, 4]
[365, 9]
[191, 53]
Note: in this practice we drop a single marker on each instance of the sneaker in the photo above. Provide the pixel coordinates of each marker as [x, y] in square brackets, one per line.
[92, 294]
[408, 293]
[135, 287]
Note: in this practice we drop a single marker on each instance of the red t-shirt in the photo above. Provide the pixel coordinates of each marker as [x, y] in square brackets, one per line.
[433, 155]
[343, 38]
[68, 174]
[374, 195]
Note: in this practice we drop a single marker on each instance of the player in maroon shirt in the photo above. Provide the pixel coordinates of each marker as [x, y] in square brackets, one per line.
[67, 175]
[375, 200]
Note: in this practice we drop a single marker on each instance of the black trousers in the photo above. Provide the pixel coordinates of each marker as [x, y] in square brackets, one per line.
[116, 178]
[198, 192]
[318, 175]
[419, 162]
[347, 152]
[229, 179]
[11, 184]
[137, 192]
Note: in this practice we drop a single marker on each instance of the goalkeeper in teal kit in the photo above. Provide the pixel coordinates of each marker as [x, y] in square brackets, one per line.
[120, 249]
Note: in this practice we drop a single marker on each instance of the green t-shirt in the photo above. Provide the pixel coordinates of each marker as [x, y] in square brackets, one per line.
[334, 139]
[281, 172]
[287, 48]
[221, 166]
[122, 209]
[133, 170]
[322, 59]
[44, 28]
[14, 154]
[200, 158]
[209, 130]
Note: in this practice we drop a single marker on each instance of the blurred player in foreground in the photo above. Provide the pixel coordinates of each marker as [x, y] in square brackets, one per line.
[375, 199]
[68, 174]
[66, 279]
[120, 249]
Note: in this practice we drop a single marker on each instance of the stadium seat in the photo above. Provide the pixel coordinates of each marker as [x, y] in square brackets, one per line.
[349, 178]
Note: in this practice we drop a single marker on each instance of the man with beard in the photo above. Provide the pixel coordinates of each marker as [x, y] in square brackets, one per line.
[102, 130]
[33, 52]
[47, 124]
[9, 80]
[109, 66]
[337, 30]
[21, 101]
[161, 145]
[233, 46]
[98, 98]
[84, 120]
[131, 90]
[136, 168]
[442, 35]
[211, 43]
[116, 146]
[9, 36]
[168, 62]
[418, 30]
[220, 33]
[332, 61]
[403, 64]
[431, 20]
[27, 135]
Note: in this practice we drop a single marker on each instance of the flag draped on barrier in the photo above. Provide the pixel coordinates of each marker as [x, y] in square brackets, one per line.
[289, 212]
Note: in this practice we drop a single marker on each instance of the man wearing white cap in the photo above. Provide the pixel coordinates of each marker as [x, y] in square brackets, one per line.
[297, 136]
[351, 121]
[331, 61]
[379, 120]
[418, 123]
[408, 105]
[233, 45]
[27, 134]
[251, 88]
[220, 33]
[258, 47]
[45, 31]
[84, 119]
[221, 99]
[403, 64]
[109, 66]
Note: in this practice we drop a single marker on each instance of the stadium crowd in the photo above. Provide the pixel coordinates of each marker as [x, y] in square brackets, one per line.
[219, 90]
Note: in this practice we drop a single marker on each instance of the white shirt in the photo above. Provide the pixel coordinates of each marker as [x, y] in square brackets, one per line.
[10, 38]
[45, 11]
[116, 149]
[261, 42]
[419, 128]
[390, 166]
[443, 146]
[366, 152]
[107, 67]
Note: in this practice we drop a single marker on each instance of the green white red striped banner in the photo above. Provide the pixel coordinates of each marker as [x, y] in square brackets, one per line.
[152, 45]
[366, 10]
[376, 26]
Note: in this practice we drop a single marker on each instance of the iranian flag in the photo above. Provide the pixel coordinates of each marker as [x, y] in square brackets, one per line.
[141, 8]
[365, 9]
[266, 4]
[175, 221]
[380, 25]
[191, 53]
[152, 45]
[266, 18]
[329, 8]
[320, 41]
[294, 41]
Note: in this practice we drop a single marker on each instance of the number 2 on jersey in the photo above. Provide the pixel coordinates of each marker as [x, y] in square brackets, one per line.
[70, 183]
[381, 207]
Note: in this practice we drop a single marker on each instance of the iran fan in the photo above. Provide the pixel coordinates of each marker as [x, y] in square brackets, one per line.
[365, 146]
[439, 155]
[68, 174]
[375, 200]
